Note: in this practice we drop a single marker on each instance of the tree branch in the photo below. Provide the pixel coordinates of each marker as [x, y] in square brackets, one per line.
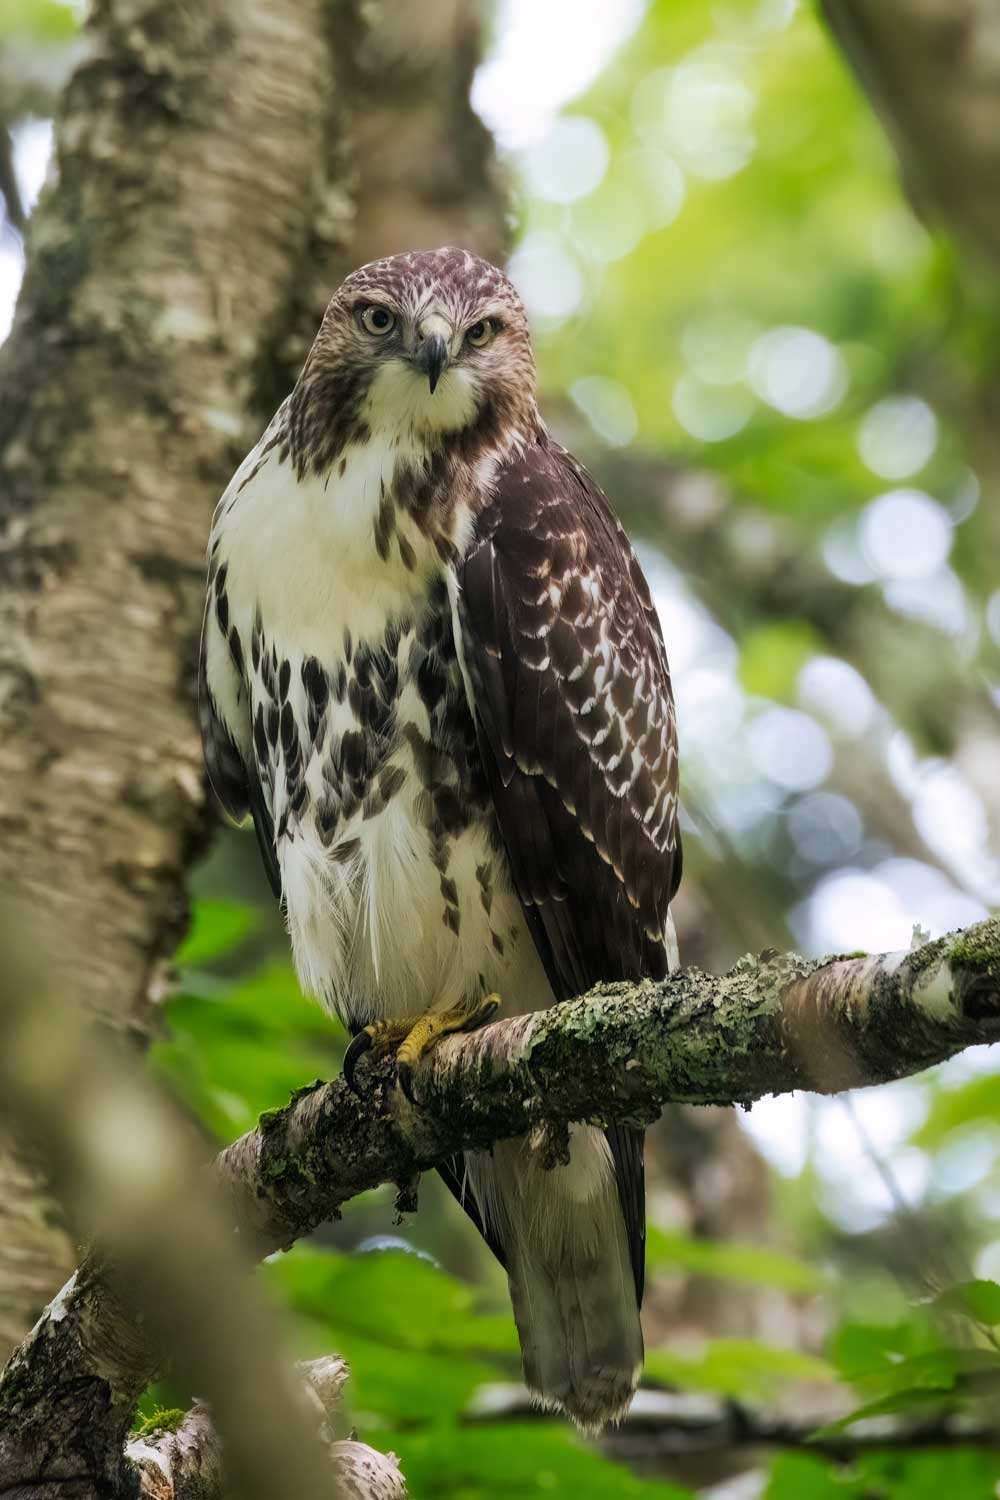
[186, 154]
[771, 1025]
[666, 1425]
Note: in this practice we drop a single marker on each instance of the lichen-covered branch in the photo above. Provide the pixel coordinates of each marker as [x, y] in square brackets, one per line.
[772, 1024]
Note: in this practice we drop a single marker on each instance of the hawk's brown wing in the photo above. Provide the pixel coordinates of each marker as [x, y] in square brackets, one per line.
[571, 692]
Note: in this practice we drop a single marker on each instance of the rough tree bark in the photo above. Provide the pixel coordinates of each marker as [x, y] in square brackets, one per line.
[123, 383]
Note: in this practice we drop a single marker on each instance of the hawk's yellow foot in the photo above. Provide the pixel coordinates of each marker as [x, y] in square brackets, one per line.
[429, 1030]
[415, 1036]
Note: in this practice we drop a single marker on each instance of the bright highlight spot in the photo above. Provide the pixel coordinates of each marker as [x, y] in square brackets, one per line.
[837, 691]
[547, 277]
[608, 408]
[701, 111]
[797, 371]
[32, 154]
[569, 161]
[898, 436]
[11, 271]
[608, 224]
[826, 828]
[710, 413]
[790, 749]
[905, 534]
[659, 182]
[545, 55]
[717, 346]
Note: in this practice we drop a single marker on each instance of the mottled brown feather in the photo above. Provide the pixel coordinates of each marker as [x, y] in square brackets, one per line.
[566, 679]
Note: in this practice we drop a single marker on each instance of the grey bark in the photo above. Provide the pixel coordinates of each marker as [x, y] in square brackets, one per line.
[124, 381]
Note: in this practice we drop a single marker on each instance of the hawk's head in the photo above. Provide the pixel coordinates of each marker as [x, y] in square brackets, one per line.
[431, 341]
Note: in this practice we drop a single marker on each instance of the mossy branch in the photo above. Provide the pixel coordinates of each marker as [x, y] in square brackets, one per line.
[772, 1024]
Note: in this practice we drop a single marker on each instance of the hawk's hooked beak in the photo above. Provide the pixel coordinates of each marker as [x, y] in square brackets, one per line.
[432, 358]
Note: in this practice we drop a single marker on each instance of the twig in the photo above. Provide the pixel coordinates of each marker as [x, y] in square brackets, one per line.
[669, 1424]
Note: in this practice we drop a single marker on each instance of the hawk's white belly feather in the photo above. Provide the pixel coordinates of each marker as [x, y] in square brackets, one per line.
[373, 933]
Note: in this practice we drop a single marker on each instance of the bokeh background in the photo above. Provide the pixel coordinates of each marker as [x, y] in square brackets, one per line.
[785, 380]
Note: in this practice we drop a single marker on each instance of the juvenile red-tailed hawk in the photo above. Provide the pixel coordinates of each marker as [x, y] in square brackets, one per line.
[432, 673]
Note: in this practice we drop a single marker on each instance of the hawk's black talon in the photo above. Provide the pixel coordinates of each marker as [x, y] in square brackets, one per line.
[359, 1045]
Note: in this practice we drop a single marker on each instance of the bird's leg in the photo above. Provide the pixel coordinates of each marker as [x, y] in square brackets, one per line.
[415, 1036]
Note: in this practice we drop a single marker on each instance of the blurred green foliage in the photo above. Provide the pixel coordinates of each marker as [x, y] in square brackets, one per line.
[41, 21]
[748, 192]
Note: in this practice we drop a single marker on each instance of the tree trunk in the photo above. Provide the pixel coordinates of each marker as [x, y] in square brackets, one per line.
[207, 200]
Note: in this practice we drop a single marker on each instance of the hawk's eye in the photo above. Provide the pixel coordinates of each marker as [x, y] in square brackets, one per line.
[377, 320]
[480, 333]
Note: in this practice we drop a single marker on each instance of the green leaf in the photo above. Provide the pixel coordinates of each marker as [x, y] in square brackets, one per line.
[41, 21]
[397, 1298]
[216, 928]
[417, 1345]
[800, 1476]
[727, 1261]
[516, 1461]
[977, 1299]
[910, 1400]
[773, 654]
[234, 1051]
[975, 1103]
[927, 1474]
[406, 1385]
[737, 1367]
[878, 1359]
[938, 1377]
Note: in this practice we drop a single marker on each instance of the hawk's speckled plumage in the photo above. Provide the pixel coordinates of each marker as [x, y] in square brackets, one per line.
[432, 673]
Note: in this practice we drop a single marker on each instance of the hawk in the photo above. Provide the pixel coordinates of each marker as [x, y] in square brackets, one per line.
[432, 673]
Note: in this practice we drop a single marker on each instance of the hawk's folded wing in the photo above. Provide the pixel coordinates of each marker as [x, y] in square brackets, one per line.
[569, 684]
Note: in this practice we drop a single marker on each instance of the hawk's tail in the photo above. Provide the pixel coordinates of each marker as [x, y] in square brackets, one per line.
[571, 1280]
